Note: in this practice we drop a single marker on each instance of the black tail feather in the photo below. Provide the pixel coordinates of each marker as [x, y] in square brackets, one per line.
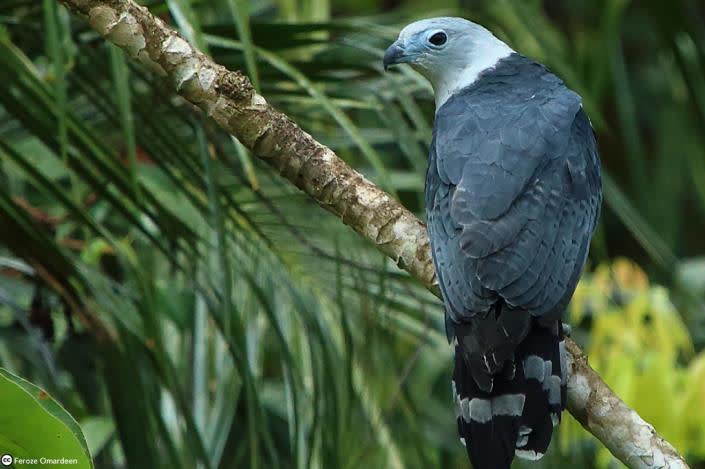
[517, 414]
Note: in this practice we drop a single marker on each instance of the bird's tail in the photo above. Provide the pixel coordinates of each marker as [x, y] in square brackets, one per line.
[526, 398]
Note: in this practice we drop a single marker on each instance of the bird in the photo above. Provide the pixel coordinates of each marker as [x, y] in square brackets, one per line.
[513, 196]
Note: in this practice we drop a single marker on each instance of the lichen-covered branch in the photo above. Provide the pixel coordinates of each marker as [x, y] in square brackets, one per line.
[605, 415]
[229, 98]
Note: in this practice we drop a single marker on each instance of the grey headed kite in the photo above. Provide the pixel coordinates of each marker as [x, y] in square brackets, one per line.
[513, 194]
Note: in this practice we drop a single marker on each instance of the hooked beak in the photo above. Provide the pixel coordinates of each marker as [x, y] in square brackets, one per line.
[396, 54]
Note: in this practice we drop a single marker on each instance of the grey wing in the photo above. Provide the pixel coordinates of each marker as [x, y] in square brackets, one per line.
[540, 273]
[460, 295]
[512, 219]
[523, 272]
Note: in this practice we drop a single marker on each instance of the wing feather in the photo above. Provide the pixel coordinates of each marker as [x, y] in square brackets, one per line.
[512, 203]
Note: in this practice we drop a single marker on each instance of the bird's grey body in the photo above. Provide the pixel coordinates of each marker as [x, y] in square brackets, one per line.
[512, 190]
[512, 198]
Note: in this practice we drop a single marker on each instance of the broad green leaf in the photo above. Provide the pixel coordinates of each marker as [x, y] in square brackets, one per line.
[34, 426]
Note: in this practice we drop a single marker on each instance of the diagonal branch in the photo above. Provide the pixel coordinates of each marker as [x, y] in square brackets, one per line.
[229, 98]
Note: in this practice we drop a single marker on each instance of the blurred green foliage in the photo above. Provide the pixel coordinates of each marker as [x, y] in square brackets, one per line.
[190, 308]
[640, 346]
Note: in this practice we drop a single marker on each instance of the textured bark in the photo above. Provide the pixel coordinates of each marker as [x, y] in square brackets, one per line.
[605, 415]
[229, 98]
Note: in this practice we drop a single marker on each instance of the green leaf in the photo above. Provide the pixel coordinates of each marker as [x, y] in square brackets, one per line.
[98, 431]
[242, 21]
[34, 426]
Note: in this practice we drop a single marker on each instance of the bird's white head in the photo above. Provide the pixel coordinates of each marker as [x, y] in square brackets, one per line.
[450, 52]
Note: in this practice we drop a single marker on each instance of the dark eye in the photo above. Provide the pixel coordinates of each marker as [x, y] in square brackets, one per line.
[438, 39]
